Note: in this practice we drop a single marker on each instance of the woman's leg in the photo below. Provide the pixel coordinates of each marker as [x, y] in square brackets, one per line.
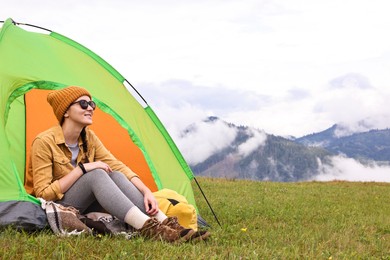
[97, 185]
[128, 188]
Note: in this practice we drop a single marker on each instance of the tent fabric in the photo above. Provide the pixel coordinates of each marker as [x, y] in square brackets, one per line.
[32, 64]
[23, 215]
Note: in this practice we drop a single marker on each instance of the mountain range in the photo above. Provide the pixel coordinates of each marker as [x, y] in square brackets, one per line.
[364, 146]
[276, 158]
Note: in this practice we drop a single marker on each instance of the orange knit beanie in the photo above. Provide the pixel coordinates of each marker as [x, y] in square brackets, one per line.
[60, 100]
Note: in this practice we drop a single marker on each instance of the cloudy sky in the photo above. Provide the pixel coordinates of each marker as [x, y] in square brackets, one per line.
[288, 67]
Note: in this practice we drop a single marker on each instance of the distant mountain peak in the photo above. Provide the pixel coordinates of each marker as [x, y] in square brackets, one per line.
[211, 119]
[346, 129]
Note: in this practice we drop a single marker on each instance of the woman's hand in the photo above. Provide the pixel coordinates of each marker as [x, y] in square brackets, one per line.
[97, 165]
[151, 204]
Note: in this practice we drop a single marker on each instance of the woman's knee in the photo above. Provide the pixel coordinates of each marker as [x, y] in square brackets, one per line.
[97, 174]
[117, 176]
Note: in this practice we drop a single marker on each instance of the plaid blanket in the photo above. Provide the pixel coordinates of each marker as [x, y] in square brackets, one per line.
[64, 221]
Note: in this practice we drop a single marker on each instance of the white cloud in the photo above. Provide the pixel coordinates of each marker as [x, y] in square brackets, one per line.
[352, 81]
[353, 103]
[177, 118]
[204, 140]
[346, 100]
[381, 121]
[348, 169]
[257, 139]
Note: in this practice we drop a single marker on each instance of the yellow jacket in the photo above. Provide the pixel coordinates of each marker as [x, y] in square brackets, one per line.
[50, 161]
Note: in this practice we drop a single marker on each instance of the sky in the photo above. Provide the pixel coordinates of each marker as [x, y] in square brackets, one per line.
[288, 67]
[285, 67]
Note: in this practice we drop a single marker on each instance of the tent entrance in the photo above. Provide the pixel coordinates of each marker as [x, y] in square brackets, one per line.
[39, 117]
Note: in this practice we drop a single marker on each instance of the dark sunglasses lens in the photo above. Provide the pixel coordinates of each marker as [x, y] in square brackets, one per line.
[84, 104]
[92, 104]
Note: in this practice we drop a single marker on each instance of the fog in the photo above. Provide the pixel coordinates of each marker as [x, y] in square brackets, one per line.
[348, 169]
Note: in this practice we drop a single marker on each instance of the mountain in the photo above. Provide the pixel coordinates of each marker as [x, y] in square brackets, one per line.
[271, 158]
[253, 154]
[249, 153]
[369, 145]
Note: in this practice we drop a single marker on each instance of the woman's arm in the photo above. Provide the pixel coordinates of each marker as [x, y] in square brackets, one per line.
[50, 174]
[68, 180]
[52, 186]
[150, 201]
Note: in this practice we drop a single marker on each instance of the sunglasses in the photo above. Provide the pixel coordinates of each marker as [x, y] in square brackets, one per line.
[84, 104]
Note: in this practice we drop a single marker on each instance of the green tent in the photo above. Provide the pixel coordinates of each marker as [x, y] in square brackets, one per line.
[32, 64]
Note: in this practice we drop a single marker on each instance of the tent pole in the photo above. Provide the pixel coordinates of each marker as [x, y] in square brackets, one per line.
[136, 91]
[27, 24]
[204, 196]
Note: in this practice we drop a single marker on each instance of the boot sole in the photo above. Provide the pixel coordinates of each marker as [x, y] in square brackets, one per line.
[200, 237]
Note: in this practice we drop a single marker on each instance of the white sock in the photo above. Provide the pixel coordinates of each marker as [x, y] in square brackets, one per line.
[160, 216]
[136, 218]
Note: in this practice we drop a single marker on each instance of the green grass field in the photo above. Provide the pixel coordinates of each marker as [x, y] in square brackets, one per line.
[260, 220]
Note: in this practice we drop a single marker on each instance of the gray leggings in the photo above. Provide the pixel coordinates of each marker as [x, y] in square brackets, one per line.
[113, 191]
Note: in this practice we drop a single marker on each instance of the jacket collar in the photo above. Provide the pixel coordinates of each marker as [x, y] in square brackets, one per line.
[59, 135]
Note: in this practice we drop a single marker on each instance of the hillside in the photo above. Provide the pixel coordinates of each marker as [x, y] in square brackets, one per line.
[370, 145]
[274, 159]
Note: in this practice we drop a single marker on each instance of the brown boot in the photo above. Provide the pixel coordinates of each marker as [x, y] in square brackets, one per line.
[187, 234]
[201, 235]
[155, 230]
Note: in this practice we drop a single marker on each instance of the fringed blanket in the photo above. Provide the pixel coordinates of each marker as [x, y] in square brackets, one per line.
[66, 221]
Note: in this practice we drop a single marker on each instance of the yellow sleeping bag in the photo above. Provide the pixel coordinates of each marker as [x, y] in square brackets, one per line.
[172, 204]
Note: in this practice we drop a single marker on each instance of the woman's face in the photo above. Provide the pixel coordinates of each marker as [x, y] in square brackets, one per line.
[79, 115]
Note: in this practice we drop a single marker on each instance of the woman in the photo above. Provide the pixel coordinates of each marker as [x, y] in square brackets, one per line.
[70, 165]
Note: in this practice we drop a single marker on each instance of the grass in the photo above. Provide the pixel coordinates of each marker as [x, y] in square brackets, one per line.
[260, 220]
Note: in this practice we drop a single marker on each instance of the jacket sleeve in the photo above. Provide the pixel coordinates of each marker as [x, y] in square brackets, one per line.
[42, 171]
[104, 155]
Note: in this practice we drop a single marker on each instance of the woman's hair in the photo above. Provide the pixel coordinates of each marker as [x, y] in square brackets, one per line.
[83, 135]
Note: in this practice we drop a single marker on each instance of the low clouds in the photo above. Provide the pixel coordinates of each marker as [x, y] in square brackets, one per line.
[381, 121]
[258, 139]
[347, 169]
[204, 139]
